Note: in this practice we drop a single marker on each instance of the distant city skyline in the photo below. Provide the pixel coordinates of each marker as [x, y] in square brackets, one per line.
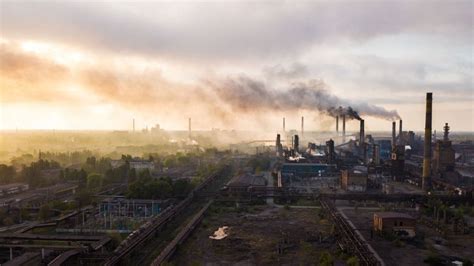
[234, 65]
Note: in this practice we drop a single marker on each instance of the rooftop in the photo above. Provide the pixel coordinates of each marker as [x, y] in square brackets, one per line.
[248, 180]
[393, 215]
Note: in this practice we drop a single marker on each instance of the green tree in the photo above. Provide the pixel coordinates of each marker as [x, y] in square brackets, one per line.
[44, 212]
[160, 190]
[352, 261]
[95, 181]
[7, 174]
[182, 187]
[325, 259]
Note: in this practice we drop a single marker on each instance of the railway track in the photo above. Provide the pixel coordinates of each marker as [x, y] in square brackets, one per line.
[149, 230]
[182, 235]
[349, 239]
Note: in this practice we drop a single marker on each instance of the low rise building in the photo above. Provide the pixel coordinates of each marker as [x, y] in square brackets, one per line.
[243, 184]
[354, 180]
[394, 222]
[295, 172]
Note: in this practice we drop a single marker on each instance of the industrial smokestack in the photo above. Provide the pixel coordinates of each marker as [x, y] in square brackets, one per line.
[343, 128]
[337, 124]
[278, 145]
[426, 181]
[296, 143]
[302, 126]
[394, 126]
[189, 127]
[362, 133]
[400, 129]
[283, 124]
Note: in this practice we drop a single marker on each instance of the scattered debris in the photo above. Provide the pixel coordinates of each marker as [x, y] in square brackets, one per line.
[220, 234]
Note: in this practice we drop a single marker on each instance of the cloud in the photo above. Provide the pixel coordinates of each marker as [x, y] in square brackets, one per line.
[245, 94]
[279, 71]
[220, 31]
[147, 90]
[26, 76]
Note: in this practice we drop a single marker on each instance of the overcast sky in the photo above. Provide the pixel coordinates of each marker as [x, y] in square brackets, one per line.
[242, 65]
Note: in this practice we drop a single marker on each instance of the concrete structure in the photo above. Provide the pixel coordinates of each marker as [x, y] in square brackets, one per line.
[444, 155]
[394, 139]
[376, 154]
[296, 143]
[426, 177]
[394, 222]
[400, 133]
[397, 163]
[354, 180]
[330, 152]
[242, 184]
[278, 146]
[343, 128]
[362, 133]
[294, 172]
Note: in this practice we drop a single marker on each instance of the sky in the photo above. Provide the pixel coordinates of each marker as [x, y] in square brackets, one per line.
[234, 65]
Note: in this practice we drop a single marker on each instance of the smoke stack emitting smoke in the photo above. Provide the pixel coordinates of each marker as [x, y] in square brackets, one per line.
[245, 94]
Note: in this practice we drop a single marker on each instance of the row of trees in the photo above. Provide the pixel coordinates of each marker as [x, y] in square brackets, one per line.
[7, 174]
[146, 187]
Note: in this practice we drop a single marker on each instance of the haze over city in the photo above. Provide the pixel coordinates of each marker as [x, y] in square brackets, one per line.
[234, 65]
[237, 133]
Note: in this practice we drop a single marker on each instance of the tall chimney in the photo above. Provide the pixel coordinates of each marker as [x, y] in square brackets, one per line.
[400, 129]
[344, 128]
[337, 124]
[426, 181]
[446, 132]
[283, 124]
[296, 144]
[362, 133]
[394, 125]
[189, 127]
[302, 126]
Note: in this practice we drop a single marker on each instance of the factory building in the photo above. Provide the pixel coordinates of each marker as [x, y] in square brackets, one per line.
[240, 185]
[444, 155]
[394, 222]
[294, 172]
[354, 180]
[397, 163]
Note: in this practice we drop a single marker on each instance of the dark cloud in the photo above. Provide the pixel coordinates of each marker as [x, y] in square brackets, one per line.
[245, 94]
[229, 30]
[150, 92]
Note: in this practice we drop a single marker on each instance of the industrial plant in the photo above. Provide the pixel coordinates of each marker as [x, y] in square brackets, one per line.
[398, 197]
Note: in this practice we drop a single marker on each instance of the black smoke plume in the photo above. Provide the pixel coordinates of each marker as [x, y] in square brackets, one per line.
[246, 94]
